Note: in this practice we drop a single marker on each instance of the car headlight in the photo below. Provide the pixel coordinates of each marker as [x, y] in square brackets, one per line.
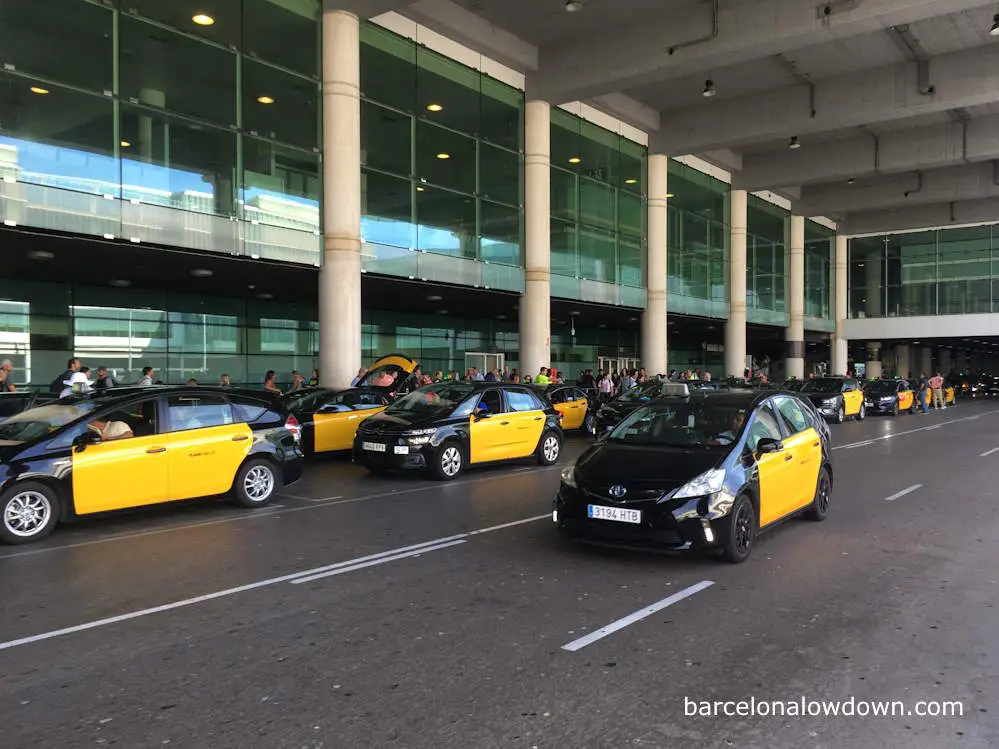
[887, 398]
[829, 402]
[709, 482]
[419, 436]
[569, 476]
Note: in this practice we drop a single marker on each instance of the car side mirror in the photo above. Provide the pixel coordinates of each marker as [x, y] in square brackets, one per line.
[768, 445]
[479, 415]
[87, 438]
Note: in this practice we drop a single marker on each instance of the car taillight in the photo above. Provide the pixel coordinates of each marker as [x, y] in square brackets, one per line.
[294, 427]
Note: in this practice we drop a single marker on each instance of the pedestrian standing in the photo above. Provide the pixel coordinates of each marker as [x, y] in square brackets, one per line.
[269, 383]
[936, 385]
[924, 395]
[6, 378]
[147, 377]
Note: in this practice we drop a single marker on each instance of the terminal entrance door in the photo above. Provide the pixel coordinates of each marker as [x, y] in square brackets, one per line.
[616, 364]
[485, 362]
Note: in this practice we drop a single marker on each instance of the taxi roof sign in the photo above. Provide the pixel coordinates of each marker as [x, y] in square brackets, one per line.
[676, 388]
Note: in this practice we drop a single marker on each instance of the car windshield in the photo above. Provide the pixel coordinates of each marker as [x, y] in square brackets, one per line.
[439, 399]
[38, 422]
[882, 387]
[306, 400]
[822, 385]
[682, 424]
[643, 393]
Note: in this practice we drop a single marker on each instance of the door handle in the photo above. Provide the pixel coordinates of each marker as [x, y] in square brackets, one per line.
[240, 438]
[504, 423]
[788, 457]
[538, 418]
[816, 444]
[154, 450]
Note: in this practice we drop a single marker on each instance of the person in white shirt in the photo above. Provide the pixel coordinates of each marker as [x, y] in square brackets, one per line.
[110, 430]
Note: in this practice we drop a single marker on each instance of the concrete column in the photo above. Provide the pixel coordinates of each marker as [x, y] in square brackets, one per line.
[839, 310]
[902, 360]
[945, 363]
[735, 327]
[794, 336]
[535, 306]
[872, 276]
[151, 146]
[873, 360]
[654, 326]
[926, 361]
[340, 276]
[962, 360]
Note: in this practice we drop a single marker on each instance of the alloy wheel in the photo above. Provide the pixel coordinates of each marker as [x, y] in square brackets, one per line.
[27, 513]
[743, 529]
[550, 448]
[451, 461]
[822, 494]
[259, 483]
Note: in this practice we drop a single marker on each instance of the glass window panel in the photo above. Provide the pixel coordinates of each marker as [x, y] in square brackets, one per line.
[502, 114]
[387, 210]
[444, 157]
[386, 139]
[164, 69]
[630, 261]
[596, 204]
[631, 214]
[447, 92]
[388, 68]
[599, 152]
[280, 106]
[63, 139]
[632, 166]
[597, 255]
[176, 163]
[281, 185]
[446, 223]
[717, 273]
[31, 32]
[563, 248]
[563, 198]
[500, 242]
[499, 177]
[766, 220]
[565, 146]
[226, 28]
[285, 32]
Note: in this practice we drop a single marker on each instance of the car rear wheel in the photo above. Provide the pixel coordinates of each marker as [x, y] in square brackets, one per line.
[739, 532]
[862, 413]
[820, 503]
[589, 423]
[841, 414]
[549, 448]
[30, 510]
[894, 409]
[450, 461]
[256, 483]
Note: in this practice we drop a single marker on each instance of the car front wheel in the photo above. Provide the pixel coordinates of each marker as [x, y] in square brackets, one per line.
[739, 533]
[862, 413]
[450, 461]
[841, 414]
[30, 512]
[820, 503]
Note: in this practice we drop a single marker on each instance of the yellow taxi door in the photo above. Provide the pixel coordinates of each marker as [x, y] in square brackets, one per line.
[804, 446]
[490, 429]
[527, 413]
[123, 473]
[905, 398]
[334, 430]
[573, 410]
[205, 448]
[774, 470]
[853, 397]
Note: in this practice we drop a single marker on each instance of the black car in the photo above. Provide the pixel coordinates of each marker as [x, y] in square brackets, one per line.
[611, 413]
[13, 403]
[134, 447]
[707, 471]
[836, 398]
[445, 427]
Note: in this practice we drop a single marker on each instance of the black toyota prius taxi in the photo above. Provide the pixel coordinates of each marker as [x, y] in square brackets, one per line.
[708, 470]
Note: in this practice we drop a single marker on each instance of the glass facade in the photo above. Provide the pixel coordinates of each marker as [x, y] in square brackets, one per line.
[152, 127]
[820, 281]
[942, 272]
[698, 236]
[442, 167]
[766, 262]
[598, 213]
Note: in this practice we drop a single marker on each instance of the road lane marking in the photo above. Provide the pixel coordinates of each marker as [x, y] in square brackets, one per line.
[872, 440]
[613, 627]
[987, 453]
[373, 562]
[492, 528]
[899, 495]
[346, 566]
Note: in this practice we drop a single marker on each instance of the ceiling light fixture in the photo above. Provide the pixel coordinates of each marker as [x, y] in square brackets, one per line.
[121, 283]
[202, 272]
[709, 89]
[794, 145]
[443, 156]
[574, 160]
[631, 181]
[420, 188]
[669, 195]
[203, 19]
[265, 296]
[265, 99]
[39, 90]
[434, 107]
[125, 144]
[994, 31]
[434, 298]
[573, 6]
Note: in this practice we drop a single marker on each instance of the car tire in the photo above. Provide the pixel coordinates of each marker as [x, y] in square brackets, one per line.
[823, 492]
[862, 413]
[841, 414]
[894, 409]
[549, 448]
[739, 531]
[29, 510]
[589, 425]
[449, 462]
[256, 483]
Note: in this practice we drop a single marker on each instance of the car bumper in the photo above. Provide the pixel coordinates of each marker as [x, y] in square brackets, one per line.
[830, 412]
[880, 408]
[396, 456]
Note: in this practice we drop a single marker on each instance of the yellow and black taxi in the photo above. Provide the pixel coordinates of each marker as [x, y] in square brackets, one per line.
[890, 397]
[836, 398]
[134, 447]
[572, 403]
[709, 471]
[949, 396]
[446, 427]
[329, 418]
[611, 413]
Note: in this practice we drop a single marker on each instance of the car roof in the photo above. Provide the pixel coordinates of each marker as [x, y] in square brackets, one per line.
[114, 395]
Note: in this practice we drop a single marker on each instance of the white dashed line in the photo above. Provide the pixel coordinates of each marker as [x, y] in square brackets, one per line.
[898, 495]
[987, 453]
[872, 440]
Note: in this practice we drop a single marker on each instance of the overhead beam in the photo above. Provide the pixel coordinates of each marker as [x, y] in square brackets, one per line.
[366, 8]
[954, 183]
[945, 144]
[966, 78]
[921, 217]
[638, 52]
[628, 110]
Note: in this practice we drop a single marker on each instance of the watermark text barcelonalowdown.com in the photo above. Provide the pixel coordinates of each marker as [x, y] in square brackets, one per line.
[804, 707]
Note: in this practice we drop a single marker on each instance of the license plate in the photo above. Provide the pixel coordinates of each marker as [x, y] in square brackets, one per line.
[617, 514]
[401, 450]
[375, 447]
[868, 403]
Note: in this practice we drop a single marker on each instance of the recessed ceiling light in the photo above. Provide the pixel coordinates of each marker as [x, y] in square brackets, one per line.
[500, 317]
[573, 6]
[794, 145]
[574, 313]
[442, 312]
[443, 156]
[420, 188]
[265, 99]
[434, 107]
[434, 298]
[574, 159]
[120, 283]
[631, 181]
[40, 255]
[39, 90]
[709, 89]
[203, 19]
[265, 295]
[125, 144]
[202, 273]
[669, 195]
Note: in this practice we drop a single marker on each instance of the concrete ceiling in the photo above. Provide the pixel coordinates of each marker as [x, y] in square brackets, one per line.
[895, 102]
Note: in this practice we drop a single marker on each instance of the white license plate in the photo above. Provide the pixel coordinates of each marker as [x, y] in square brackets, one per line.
[375, 447]
[869, 404]
[401, 450]
[617, 514]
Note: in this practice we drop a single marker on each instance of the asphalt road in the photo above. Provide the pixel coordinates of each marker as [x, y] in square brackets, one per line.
[315, 623]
